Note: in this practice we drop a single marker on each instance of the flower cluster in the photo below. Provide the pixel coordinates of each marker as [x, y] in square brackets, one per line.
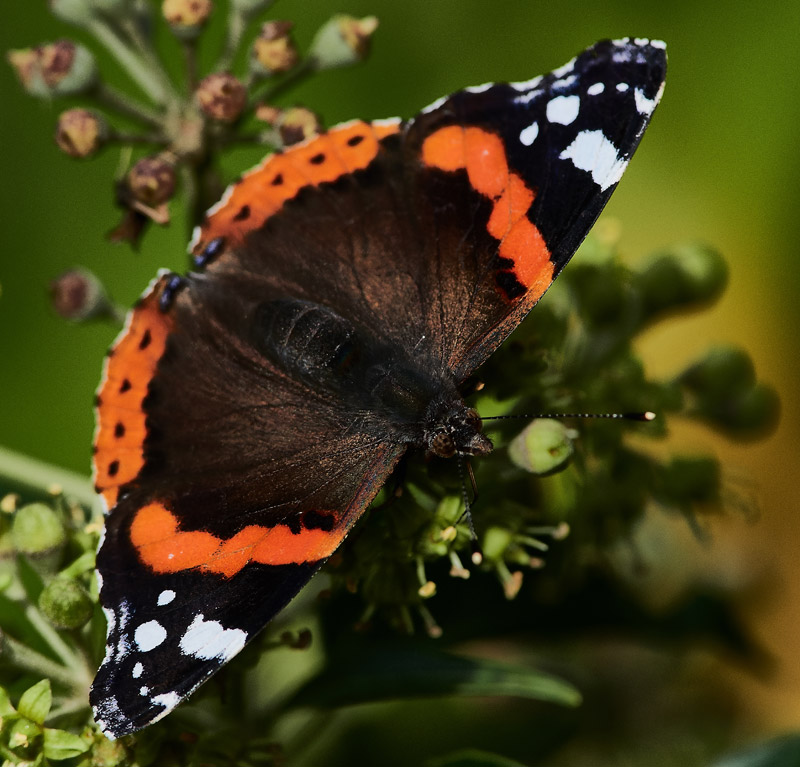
[183, 126]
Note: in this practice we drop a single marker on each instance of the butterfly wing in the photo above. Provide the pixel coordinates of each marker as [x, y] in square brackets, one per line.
[230, 477]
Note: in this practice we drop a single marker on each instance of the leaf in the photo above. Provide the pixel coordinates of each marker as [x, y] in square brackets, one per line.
[36, 701]
[6, 709]
[30, 579]
[60, 744]
[472, 757]
[389, 674]
[783, 751]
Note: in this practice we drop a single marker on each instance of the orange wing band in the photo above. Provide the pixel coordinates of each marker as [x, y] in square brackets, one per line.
[482, 155]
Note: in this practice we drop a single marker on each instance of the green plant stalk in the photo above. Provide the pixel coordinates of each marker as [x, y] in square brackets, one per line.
[18, 469]
[292, 79]
[126, 106]
[9, 755]
[130, 61]
[58, 645]
[147, 52]
[23, 657]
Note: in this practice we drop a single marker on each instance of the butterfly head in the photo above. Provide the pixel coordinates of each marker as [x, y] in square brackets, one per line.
[457, 431]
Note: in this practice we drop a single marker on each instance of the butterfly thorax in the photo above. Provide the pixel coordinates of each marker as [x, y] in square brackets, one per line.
[314, 344]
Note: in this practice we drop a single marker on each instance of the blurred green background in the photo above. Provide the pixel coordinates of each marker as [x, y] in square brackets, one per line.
[720, 164]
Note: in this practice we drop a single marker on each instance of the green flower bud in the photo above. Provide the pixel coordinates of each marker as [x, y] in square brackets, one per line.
[78, 295]
[186, 18]
[544, 447]
[37, 530]
[65, 603]
[723, 370]
[152, 180]
[495, 543]
[72, 11]
[80, 133]
[752, 413]
[685, 275]
[342, 40]
[222, 97]
[274, 50]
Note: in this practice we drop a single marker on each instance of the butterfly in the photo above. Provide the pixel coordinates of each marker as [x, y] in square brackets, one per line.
[343, 291]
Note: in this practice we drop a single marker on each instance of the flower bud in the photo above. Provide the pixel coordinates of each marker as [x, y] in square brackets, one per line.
[748, 415]
[78, 295]
[495, 543]
[544, 446]
[222, 97]
[342, 40]
[65, 603]
[687, 479]
[68, 69]
[25, 63]
[152, 180]
[80, 133]
[37, 530]
[186, 17]
[297, 124]
[722, 371]
[72, 11]
[274, 50]
[686, 275]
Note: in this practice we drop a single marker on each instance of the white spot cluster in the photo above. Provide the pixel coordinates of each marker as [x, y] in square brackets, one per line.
[593, 152]
[149, 635]
[563, 109]
[208, 639]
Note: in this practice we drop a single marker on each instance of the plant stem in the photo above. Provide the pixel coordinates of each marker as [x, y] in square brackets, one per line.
[294, 78]
[146, 51]
[138, 138]
[22, 470]
[138, 70]
[23, 657]
[58, 645]
[237, 23]
[125, 105]
[190, 62]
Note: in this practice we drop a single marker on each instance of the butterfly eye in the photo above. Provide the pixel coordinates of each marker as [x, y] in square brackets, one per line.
[443, 446]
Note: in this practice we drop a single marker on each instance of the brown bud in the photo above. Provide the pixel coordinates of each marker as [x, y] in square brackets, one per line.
[222, 97]
[26, 66]
[152, 180]
[274, 50]
[186, 17]
[80, 133]
[67, 68]
[297, 124]
[78, 295]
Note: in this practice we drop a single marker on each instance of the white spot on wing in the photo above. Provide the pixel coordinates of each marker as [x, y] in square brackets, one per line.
[658, 44]
[111, 619]
[432, 107]
[641, 41]
[527, 84]
[208, 639]
[593, 152]
[138, 669]
[622, 87]
[528, 135]
[167, 699]
[560, 85]
[165, 597]
[644, 105]
[479, 88]
[525, 98]
[562, 70]
[596, 89]
[144, 690]
[149, 635]
[563, 109]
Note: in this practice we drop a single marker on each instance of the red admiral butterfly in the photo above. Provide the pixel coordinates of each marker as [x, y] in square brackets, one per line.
[251, 410]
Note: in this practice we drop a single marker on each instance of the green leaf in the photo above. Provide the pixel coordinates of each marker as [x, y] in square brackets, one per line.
[472, 757]
[6, 709]
[783, 751]
[36, 701]
[389, 674]
[60, 744]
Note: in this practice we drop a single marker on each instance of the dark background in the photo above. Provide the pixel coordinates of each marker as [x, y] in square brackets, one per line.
[720, 164]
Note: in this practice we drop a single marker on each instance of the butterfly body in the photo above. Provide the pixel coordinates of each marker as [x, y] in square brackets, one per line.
[344, 291]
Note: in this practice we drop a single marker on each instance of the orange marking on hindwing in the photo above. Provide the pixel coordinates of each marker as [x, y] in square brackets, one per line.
[165, 548]
[262, 192]
[483, 156]
[121, 430]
